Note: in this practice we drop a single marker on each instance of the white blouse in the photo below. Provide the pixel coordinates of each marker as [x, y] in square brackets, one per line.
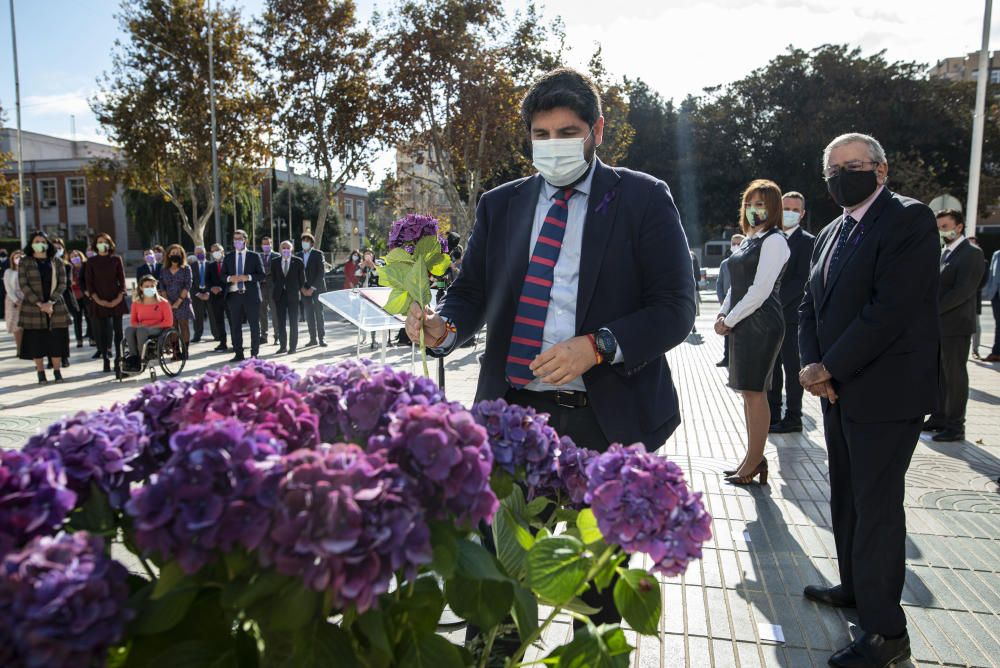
[774, 254]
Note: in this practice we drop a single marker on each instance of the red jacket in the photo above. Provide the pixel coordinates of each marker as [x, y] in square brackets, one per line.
[151, 315]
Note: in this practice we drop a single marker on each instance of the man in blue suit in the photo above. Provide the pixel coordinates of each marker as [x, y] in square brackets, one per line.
[583, 276]
[242, 273]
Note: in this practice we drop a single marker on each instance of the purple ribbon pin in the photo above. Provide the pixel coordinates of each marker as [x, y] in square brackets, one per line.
[602, 206]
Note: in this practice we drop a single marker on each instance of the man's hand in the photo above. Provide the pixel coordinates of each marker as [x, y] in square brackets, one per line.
[433, 326]
[565, 361]
[823, 390]
[720, 326]
[216, 290]
[814, 373]
[308, 292]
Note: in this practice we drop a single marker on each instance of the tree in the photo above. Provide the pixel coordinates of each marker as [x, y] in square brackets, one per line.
[331, 110]
[458, 69]
[306, 203]
[8, 187]
[618, 133]
[155, 105]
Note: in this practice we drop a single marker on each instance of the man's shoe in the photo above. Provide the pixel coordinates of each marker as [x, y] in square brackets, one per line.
[992, 357]
[281, 351]
[310, 342]
[832, 596]
[931, 425]
[98, 355]
[291, 351]
[238, 358]
[196, 339]
[221, 348]
[322, 343]
[722, 363]
[872, 650]
[786, 427]
[949, 435]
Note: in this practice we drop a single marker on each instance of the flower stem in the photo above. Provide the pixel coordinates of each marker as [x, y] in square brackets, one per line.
[423, 354]
[489, 646]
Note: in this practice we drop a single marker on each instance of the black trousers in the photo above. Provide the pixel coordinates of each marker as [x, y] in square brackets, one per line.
[954, 382]
[104, 327]
[244, 307]
[868, 463]
[267, 305]
[314, 317]
[217, 316]
[995, 305]
[78, 319]
[202, 310]
[786, 372]
[286, 322]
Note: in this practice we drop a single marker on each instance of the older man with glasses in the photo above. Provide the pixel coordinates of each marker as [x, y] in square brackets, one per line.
[869, 336]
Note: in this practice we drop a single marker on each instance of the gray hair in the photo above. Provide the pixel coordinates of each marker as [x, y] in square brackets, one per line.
[875, 149]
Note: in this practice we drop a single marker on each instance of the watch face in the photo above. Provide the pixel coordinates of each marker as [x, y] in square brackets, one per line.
[605, 342]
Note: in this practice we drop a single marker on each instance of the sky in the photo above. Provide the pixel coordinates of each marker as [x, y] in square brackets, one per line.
[678, 47]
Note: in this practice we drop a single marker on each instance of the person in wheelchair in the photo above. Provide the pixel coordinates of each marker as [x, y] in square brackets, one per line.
[151, 314]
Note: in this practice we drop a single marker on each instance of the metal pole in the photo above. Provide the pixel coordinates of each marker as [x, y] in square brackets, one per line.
[215, 150]
[291, 234]
[22, 221]
[978, 121]
[270, 205]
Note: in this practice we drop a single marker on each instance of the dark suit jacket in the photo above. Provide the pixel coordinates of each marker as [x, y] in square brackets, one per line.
[874, 323]
[252, 267]
[216, 278]
[287, 287]
[196, 276]
[793, 281]
[959, 290]
[265, 259]
[314, 271]
[635, 279]
[144, 270]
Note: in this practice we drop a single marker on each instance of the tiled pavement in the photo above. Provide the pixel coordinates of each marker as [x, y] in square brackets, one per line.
[769, 541]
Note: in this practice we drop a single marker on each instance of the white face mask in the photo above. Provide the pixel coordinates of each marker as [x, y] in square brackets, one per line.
[306, 245]
[790, 219]
[149, 292]
[217, 254]
[560, 161]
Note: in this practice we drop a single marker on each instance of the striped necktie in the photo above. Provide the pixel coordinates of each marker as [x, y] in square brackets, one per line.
[529, 322]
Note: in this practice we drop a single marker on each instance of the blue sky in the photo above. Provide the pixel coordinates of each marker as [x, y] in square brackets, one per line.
[678, 46]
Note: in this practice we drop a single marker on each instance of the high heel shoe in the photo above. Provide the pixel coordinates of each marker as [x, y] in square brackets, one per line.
[42, 380]
[761, 471]
[58, 375]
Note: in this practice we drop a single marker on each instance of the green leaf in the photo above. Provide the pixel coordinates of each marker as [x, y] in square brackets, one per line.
[525, 611]
[171, 575]
[537, 506]
[417, 283]
[236, 562]
[593, 647]
[372, 626]
[426, 246]
[567, 515]
[637, 597]
[501, 483]
[578, 606]
[294, 607]
[515, 502]
[394, 275]
[607, 573]
[195, 654]
[557, 568]
[399, 302]
[397, 255]
[429, 650]
[437, 263]
[445, 544]
[166, 612]
[96, 515]
[512, 540]
[241, 594]
[587, 524]
[476, 563]
[485, 603]
[418, 612]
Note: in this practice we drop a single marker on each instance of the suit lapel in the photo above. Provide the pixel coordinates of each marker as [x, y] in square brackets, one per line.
[602, 206]
[866, 224]
[520, 218]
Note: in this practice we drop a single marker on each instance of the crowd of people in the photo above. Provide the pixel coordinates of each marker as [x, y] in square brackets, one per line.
[47, 290]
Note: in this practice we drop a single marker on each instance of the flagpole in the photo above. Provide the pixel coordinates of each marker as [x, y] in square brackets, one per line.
[978, 122]
[22, 221]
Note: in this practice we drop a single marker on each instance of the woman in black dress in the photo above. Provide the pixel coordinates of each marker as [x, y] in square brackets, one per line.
[44, 317]
[104, 277]
[752, 317]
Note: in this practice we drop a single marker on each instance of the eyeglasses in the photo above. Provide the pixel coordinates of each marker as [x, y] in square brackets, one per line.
[852, 166]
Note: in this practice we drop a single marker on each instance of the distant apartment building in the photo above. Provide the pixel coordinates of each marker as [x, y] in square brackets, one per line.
[418, 186]
[966, 68]
[351, 207]
[59, 198]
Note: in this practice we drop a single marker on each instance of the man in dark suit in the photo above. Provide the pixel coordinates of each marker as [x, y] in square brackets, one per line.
[793, 283]
[312, 261]
[217, 299]
[266, 300]
[201, 295]
[288, 277]
[962, 267]
[242, 272]
[722, 285]
[868, 336]
[151, 267]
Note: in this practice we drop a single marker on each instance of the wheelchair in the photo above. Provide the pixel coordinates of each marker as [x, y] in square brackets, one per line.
[165, 351]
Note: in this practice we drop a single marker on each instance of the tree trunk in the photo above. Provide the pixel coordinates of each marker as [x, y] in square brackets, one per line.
[324, 207]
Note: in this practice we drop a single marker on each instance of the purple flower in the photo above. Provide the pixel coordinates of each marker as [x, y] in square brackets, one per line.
[160, 405]
[271, 370]
[642, 503]
[355, 400]
[522, 442]
[407, 231]
[63, 602]
[448, 458]
[34, 498]
[100, 447]
[215, 493]
[572, 465]
[345, 521]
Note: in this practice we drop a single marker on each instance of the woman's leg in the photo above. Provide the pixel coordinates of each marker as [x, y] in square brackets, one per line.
[78, 326]
[18, 335]
[102, 331]
[758, 417]
[117, 323]
[40, 364]
[143, 334]
[131, 340]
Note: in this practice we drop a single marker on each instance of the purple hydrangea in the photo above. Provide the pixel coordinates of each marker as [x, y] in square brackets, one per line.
[271, 370]
[215, 493]
[63, 602]
[522, 442]
[448, 458]
[572, 464]
[102, 447]
[407, 231]
[34, 497]
[345, 521]
[355, 400]
[642, 503]
[160, 405]
[269, 405]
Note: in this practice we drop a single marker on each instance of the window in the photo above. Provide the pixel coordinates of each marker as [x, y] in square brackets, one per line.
[27, 192]
[77, 191]
[348, 208]
[48, 197]
[360, 210]
[995, 76]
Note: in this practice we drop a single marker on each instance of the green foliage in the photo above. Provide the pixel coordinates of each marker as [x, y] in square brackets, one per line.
[637, 597]
[593, 647]
[557, 568]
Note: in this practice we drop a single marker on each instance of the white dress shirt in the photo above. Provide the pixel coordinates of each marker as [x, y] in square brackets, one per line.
[950, 247]
[774, 254]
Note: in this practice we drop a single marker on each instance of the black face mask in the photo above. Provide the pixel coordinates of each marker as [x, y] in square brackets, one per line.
[852, 188]
[176, 259]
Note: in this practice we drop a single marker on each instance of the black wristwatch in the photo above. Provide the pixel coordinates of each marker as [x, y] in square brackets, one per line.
[606, 344]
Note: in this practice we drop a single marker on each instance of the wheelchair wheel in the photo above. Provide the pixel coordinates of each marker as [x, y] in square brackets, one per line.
[172, 353]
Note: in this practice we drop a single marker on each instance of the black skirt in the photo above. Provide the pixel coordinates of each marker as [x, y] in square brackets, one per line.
[754, 345]
[42, 343]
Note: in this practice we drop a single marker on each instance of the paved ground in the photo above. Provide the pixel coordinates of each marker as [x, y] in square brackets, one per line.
[769, 541]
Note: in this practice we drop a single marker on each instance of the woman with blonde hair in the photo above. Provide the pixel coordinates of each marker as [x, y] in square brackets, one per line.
[151, 314]
[751, 315]
[175, 284]
[13, 298]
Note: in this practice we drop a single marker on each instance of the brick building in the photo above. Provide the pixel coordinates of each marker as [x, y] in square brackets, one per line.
[351, 207]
